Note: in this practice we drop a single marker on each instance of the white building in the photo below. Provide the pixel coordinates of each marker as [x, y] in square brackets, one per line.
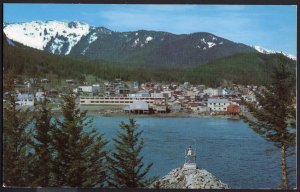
[83, 89]
[40, 95]
[202, 109]
[25, 99]
[211, 92]
[218, 104]
[116, 100]
[167, 94]
[138, 95]
[155, 95]
[249, 98]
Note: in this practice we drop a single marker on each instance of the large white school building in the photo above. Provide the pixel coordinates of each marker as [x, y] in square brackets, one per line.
[116, 100]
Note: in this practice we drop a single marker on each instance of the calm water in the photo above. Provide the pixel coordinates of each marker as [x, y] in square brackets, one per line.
[228, 149]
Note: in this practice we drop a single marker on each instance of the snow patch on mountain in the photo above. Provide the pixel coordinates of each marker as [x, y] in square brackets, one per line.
[93, 38]
[203, 40]
[210, 44]
[148, 39]
[37, 34]
[267, 51]
[136, 42]
[56, 46]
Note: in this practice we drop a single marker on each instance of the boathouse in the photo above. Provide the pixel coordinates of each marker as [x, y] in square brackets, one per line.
[138, 107]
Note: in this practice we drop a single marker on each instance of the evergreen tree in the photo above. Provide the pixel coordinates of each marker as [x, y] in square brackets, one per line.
[16, 138]
[79, 157]
[126, 165]
[274, 111]
[42, 145]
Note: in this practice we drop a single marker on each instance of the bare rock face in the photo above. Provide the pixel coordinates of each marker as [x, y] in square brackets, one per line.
[180, 178]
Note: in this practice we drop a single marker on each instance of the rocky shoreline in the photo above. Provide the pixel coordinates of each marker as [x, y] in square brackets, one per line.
[181, 178]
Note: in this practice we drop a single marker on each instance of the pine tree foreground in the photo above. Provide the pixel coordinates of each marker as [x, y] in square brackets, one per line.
[79, 154]
[126, 165]
[42, 145]
[16, 138]
[275, 110]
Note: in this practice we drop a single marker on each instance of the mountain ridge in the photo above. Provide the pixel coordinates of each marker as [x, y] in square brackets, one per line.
[148, 48]
[142, 47]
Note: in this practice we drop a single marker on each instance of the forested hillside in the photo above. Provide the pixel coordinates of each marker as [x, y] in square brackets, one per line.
[243, 68]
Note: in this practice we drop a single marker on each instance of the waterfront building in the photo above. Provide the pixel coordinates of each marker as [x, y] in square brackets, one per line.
[138, 107]
[233, 108]
[176, 106]
[218, 104]
[116, 100]
[160, 108]
[202, 109]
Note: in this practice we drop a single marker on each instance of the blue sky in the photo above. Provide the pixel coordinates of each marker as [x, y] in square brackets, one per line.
[272, 27]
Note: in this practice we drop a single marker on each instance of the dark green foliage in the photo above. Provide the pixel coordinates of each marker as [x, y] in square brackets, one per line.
[16, 139]
[42, 144]
[126, 165]
[79, 155]
[244, 68]
[274, 110]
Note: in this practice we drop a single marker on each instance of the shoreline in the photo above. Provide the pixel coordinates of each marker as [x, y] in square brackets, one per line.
[115, 111]
[163, 115]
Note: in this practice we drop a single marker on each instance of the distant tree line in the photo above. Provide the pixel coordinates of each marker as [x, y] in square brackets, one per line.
[40, 150]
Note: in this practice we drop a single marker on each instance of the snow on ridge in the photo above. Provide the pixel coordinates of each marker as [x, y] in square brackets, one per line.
[149, 38]
[93, 38]
[210, 44]
[37, 34]
[136, 42]
[267, 51]
[203, 40]
[56, 46]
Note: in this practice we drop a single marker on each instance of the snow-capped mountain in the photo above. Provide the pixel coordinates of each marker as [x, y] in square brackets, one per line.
[267, 51]
[55, 36]
[142, 47]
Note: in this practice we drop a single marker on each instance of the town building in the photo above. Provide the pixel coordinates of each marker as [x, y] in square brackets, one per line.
[40, 95]
[211, 92]
[138, 107]
[176, 107]
[115, 100]
[202, 109]
[233, 108]
[218, 104]
[25, 99]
